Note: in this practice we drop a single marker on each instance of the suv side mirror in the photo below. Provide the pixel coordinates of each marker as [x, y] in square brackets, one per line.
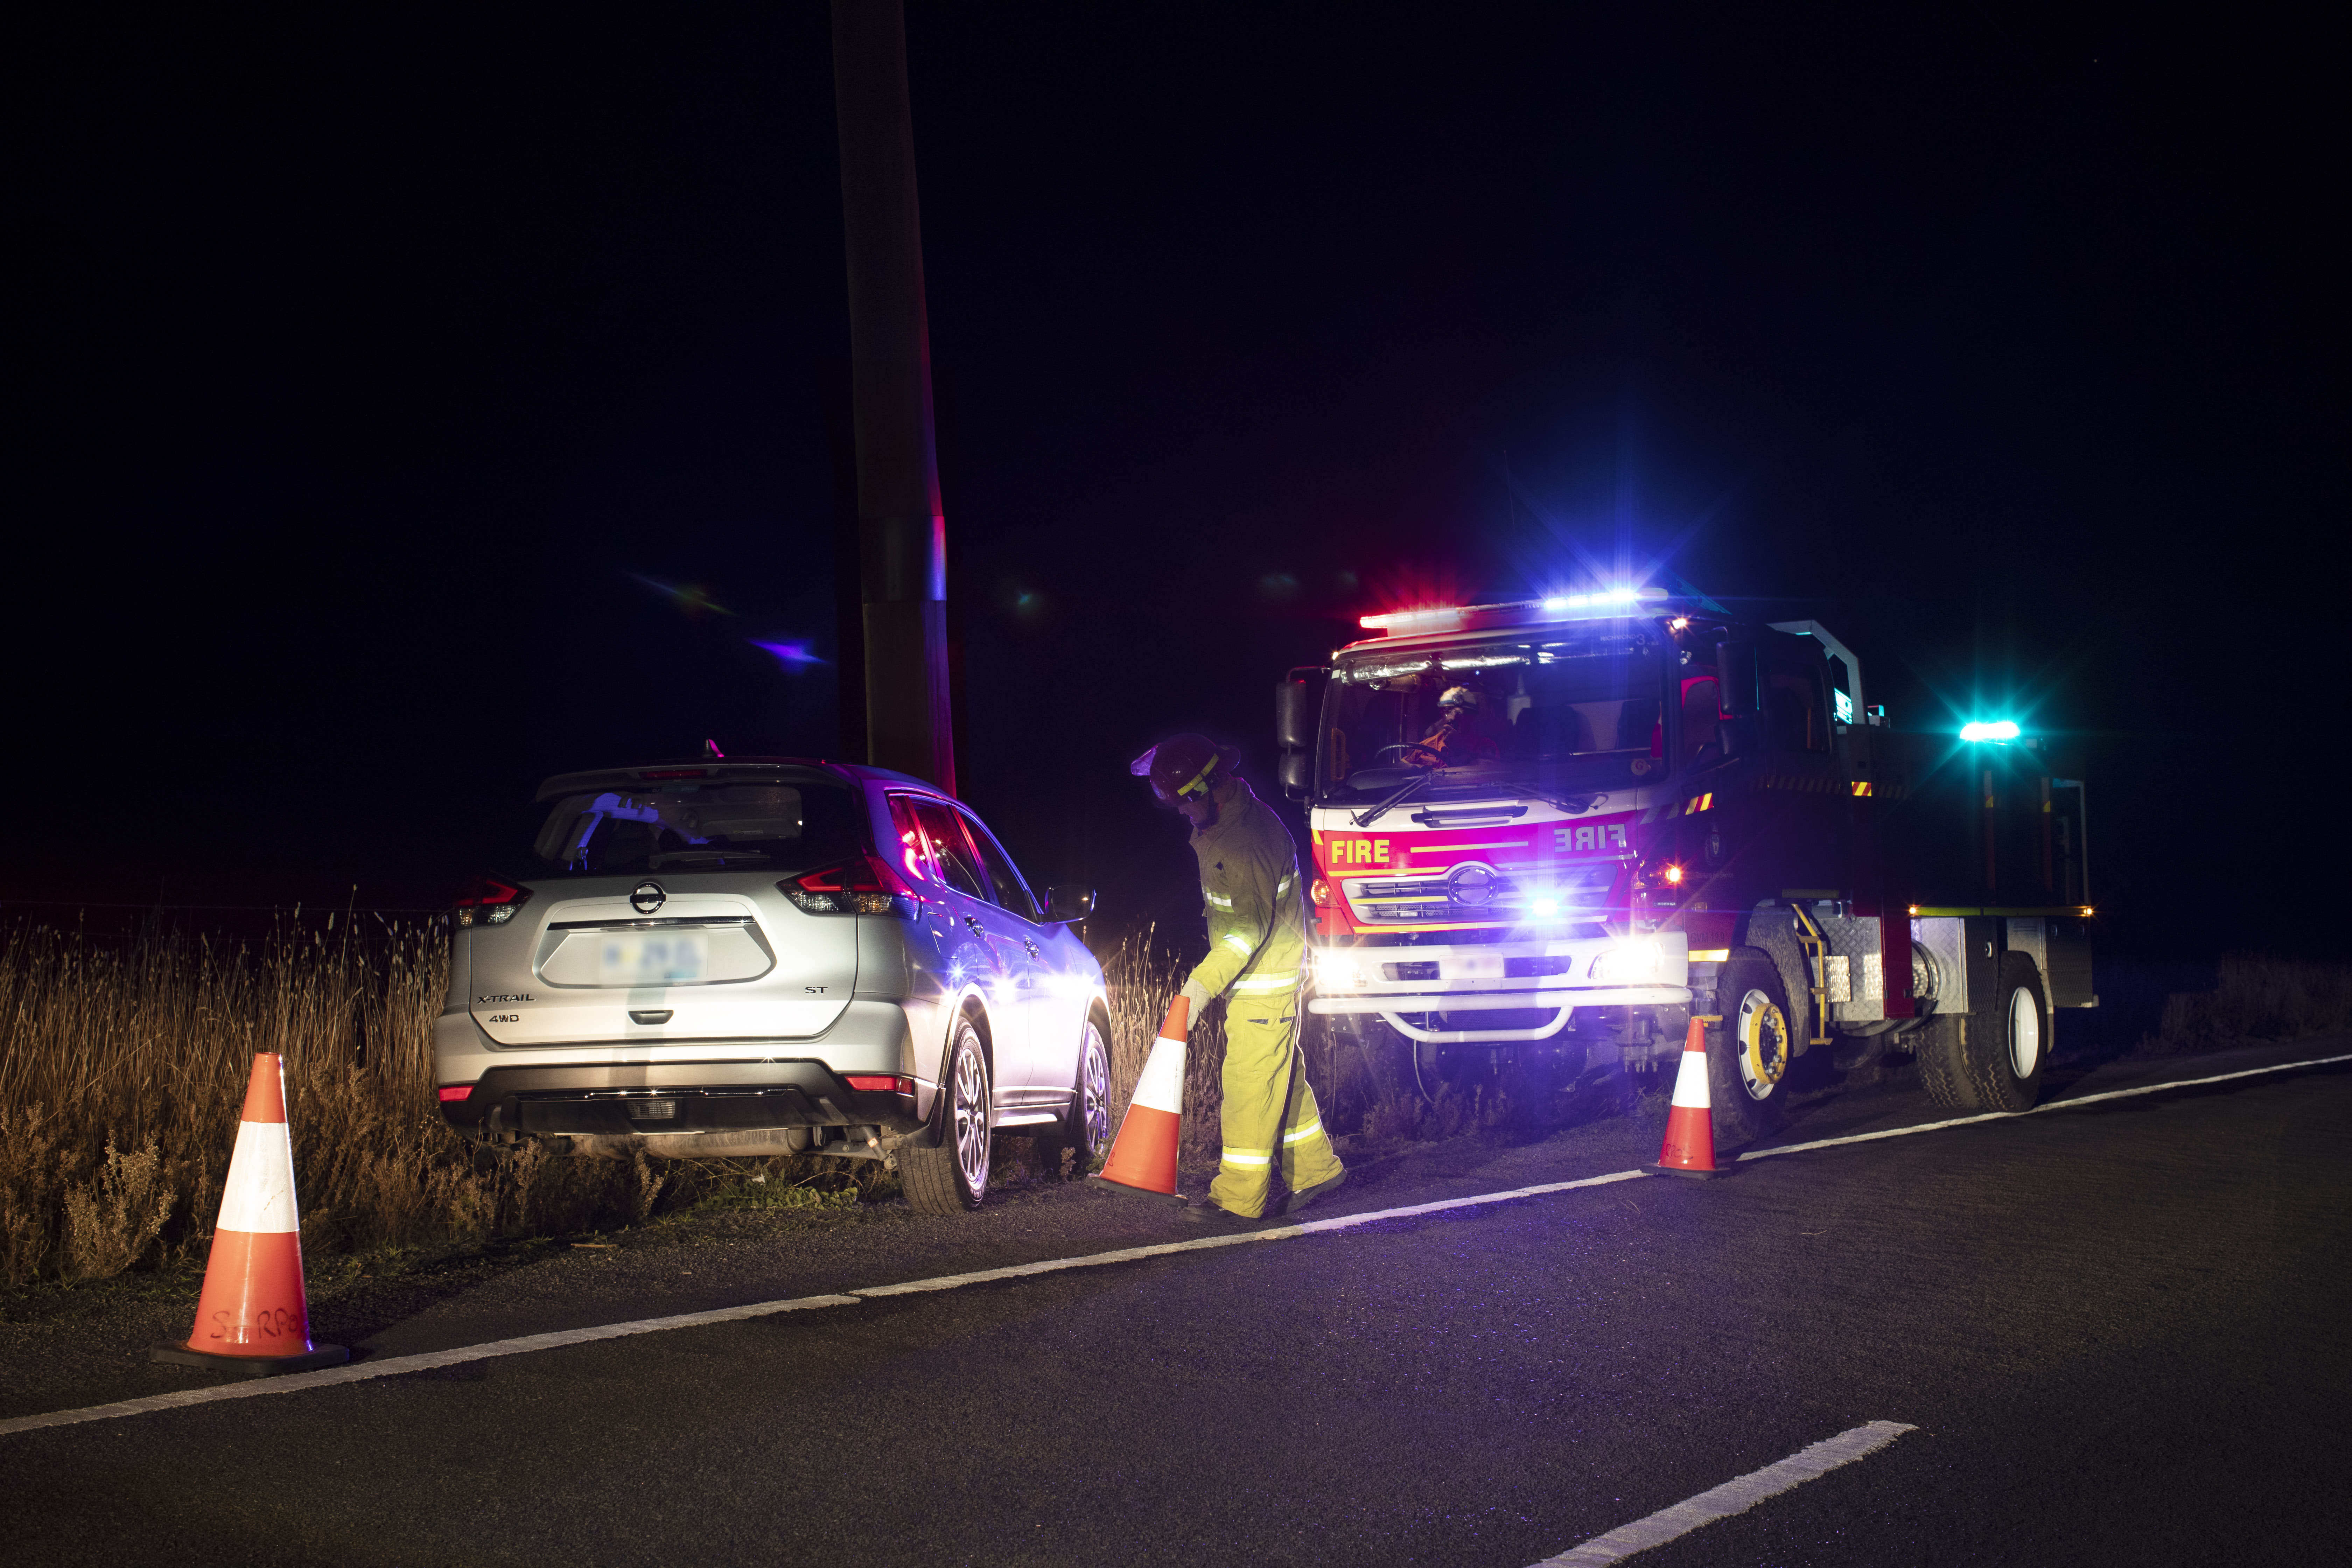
[1068, 901]
[1297, 704]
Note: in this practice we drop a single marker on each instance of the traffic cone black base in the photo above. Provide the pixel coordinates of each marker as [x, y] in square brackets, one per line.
[253, 1366]
[1694, 1175]
[1176, 1200]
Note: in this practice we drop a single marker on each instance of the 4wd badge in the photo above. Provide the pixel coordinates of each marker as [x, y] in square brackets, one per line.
[647, 897]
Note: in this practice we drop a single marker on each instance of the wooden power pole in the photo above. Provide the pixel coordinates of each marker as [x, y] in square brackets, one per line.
[902, 534]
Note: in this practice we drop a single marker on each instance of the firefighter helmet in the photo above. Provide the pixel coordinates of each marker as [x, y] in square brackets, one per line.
[1461, 697]
[1184, 765]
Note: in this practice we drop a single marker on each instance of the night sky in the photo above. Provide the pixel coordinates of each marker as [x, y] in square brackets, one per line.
[380, 376]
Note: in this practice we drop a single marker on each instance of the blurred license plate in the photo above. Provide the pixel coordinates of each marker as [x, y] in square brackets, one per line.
[633, 960]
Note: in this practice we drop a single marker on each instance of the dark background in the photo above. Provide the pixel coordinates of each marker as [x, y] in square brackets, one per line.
[372, 368]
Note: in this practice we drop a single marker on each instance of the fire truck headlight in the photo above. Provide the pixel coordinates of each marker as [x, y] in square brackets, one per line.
[1543, 909]
[1629, 961]
[1339, 972]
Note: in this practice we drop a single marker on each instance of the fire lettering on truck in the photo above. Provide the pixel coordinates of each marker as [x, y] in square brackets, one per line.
[1359, 852]
[1588, 838]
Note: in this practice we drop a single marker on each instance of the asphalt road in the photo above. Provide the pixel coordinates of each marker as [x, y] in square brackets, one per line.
[2121, 1331]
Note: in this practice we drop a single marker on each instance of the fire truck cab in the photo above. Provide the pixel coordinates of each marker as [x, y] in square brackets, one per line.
[1636, 808]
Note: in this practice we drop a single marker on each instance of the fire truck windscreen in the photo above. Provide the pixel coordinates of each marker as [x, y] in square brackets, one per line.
[1552, 712]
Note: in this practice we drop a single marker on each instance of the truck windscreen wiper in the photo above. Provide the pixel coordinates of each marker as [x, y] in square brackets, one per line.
[1419, 781]
[1576, 803]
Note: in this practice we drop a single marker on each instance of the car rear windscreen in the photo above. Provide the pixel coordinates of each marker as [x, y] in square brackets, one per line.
[718, 825]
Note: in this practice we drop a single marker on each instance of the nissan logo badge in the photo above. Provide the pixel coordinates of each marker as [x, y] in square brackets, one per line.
[646, 897]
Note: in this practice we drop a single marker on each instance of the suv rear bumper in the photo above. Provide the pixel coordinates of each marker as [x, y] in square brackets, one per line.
[609, 1099]
[717, 1086]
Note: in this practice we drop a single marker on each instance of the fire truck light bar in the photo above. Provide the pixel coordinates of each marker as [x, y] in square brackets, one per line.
[1998, 729]
[1450, 617]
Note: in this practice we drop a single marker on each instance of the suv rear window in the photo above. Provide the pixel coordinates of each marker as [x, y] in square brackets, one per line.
[720, 825]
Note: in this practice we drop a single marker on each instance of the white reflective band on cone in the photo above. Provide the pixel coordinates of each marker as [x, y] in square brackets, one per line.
[1161, 1087]
[258, 1196]
[1690, 1082]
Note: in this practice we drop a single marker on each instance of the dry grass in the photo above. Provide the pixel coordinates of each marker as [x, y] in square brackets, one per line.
[123, 1069]
[2254, 997]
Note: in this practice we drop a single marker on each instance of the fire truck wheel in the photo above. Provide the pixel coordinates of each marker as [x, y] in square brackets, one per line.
[2007, 1051]
[1943, 1063]
[1748, 1053]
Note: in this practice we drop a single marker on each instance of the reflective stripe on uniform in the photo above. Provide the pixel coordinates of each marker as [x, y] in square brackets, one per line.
[1289, 880]
[1219, 900]
[1241, 943]
[1312, 1130]
[1249, 1156]
[1274, 980]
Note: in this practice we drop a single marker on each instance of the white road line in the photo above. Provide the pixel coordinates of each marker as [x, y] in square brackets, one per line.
[1730, 1498]
[392, 1366]
[2054, 1105]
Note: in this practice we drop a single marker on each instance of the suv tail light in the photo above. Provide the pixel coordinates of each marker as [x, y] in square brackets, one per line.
[489, 901]
[865, 885]
[875, 1083]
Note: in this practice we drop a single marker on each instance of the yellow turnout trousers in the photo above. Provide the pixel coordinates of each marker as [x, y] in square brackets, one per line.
[1264, 1066]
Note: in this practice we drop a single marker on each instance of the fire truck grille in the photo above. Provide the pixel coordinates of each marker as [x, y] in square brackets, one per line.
[1432, 899]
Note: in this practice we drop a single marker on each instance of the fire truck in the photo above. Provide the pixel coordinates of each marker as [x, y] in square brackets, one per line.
[1547, 834]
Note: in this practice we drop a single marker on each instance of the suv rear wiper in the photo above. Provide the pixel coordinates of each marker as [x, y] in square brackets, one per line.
[1418, 781]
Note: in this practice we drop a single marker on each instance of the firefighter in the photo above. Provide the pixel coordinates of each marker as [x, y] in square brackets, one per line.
[1257, 948]
[1460, 738]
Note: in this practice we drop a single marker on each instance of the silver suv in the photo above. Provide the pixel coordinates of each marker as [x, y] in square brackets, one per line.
[766, 955]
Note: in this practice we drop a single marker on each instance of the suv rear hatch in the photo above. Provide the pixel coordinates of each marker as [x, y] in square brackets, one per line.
[650, 912]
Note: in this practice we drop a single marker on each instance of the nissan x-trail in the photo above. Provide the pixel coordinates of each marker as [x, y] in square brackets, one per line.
[758, 956]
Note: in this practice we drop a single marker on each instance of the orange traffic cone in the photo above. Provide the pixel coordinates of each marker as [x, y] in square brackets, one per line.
[253, 1317]
[1689, 1148]
[1143, 1157]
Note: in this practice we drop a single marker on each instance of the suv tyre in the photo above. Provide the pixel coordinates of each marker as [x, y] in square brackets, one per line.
[951, 1176]
[1085, 1130]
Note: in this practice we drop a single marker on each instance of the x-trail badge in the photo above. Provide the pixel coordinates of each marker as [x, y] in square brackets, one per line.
[646, 897]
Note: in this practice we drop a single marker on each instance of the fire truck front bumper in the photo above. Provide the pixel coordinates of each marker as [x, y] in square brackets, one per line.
[1399, 1010]
[1394, 984]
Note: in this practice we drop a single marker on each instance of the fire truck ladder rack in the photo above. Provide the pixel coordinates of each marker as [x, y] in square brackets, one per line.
[1809, 937]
